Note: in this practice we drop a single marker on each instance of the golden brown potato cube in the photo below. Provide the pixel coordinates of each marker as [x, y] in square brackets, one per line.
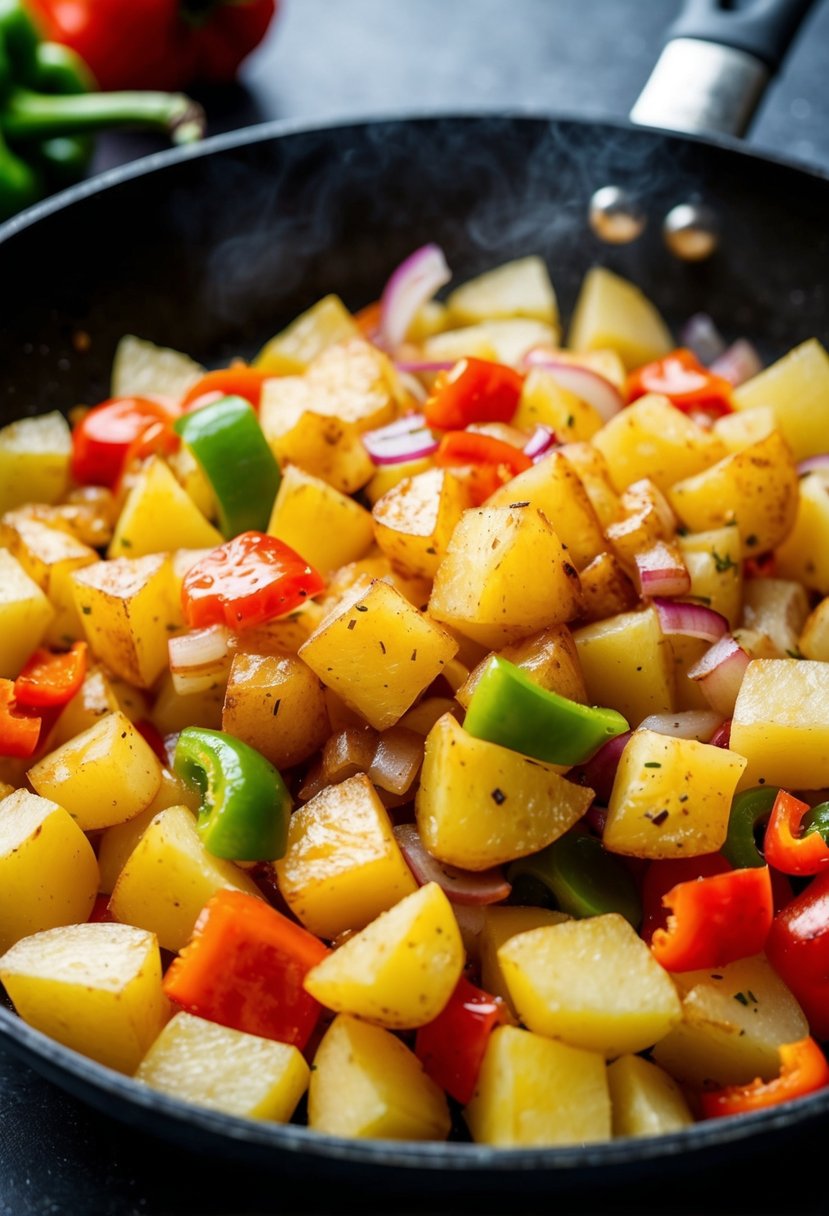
[48, 871]
[606, 589]
[520, 288]
[777, 608]
[628, 664]
[549, 658]
[502, 340]
[414, 521]
[103, 776]
[129, 609]
[159, 515]
[327, 527]
[326, 447]
[653, 439]
[646, 1101]
[276, 704]
[141, 369]
[781, 723]
[797, 389]
[378, 653]
[713, 560]
[500, 923]
[115, 844]
[506, 575]
[94, 699]
[49, 556]
[814, 640]
[34, 460]
[544, 402]
[594, 474]
[173, 710]
[320, 326]
[612, 312]
[25, 615]
[342, 866]
[95, 988]
[480, 804]
[804, 554]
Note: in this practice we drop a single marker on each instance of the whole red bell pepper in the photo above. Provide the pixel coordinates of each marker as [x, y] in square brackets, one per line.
[715, 920]
[798, 949]
[157, 44]
[803, 1070]
[451, 1048]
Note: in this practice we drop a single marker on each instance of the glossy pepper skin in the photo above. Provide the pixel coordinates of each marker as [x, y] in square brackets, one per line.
[157, 44]
[798, 949]
[714, 921]
[581, 876]
[803, 1070]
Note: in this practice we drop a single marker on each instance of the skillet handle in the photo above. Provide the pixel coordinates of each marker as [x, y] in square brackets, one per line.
[716, 64]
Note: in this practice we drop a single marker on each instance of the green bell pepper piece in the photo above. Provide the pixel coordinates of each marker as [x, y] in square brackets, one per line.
[817, 820]
[580, 876]
[227, 441]
[508, 708]
[20, 39]
[20, 182]
[245, 805]
[64, 159]
[748, 810]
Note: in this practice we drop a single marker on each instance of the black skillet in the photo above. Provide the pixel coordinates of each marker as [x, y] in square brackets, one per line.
[211, 250]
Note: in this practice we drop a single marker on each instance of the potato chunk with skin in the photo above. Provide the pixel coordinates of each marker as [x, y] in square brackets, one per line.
[533, 1092]
[25, 615]
[327, 527]
[48, 871]
[400, 970]
[506, 575]
[342, 866]
[378, 653]
[277, 705]
[103, 776]
[781, 723]
[592, 983]
[95, 988]
[646, 1101]
[480, 804]
[628, 664]
[550, 659]
[671, 797]
[225, 1069]
[170, 876]
[366, 1083]
[653, 439]
[49, 556]
[414, 521]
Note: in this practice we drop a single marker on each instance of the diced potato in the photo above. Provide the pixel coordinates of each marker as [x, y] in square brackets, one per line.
[756, 488]
[366, 1083]
[129, 609]
[34, 460]
[503, 340]
[400, 970]
[781, 724]
[592, 983]
[744, 427]
[516, 289]
[606, 588]
[95, 988]
[646, 522]
[734, 1020]
[431, 318]
[92, 701]
[480, 804]
[506, 575]
[170, 876]
[545, 402]
[324, 324]
[628, 664]
[378, 653]
[173, 710]
[814, 640]
[327, 527]
[48, 871]
[415, 520]
[500, 924]
[117, 843]
[797, 389]
[225, 1069]
[533, 1092]
[653, 439]
[594, 474]
[671, 797]
[25, 615]
[804, 554]
[49, 556]
[276, 704]
[612, 312]
[159, 515]
[342, 866]
[352, 381]
[777, 608]
[142, 369]
[326, 447]
[549, 658]
[103, 776]
[389, 475]
[646, 1101]
[193, 480]
[713, 560]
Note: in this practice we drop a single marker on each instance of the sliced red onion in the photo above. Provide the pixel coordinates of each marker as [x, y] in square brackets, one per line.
[738, 364]
[199, 659]
[722, 736]
[540, 443]
[814, 464]
[599, 772]
[720, 672]
[412, 284]
[699, 724]
[425, 367]
[583, 382]
[406, 438]
[661, 571]
[691, 620]
[700, 334]
[460, 886]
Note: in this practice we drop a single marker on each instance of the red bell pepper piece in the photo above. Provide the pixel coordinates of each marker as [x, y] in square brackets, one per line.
[150, 733]
[106, 436]
[49, 679]
[662, 876]
[475, 390]
[784, 847]
[803, 1070]
[451, 1048]
[244, 967]
[715, 920]
[491, 461]
[250, 579]
[798, 949]
[157, 44]
[691, 387]
[19, 729]
[236, 381]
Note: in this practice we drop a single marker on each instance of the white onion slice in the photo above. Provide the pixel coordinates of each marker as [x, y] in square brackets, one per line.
[411, 285]
[699, 724]
[460, 886]
[407, 438]
[662, 571]
[691, 620]
[583, 382]
[199, 659]
[738, 364]
[814, 464]
[700, 334]
[720, 672]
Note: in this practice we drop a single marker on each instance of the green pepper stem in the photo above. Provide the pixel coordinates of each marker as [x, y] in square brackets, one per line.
[28, 115]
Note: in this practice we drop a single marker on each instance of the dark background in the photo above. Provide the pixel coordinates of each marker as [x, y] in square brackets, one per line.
[327, 59]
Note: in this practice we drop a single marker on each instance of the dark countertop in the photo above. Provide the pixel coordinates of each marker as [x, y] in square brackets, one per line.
[348, 58]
